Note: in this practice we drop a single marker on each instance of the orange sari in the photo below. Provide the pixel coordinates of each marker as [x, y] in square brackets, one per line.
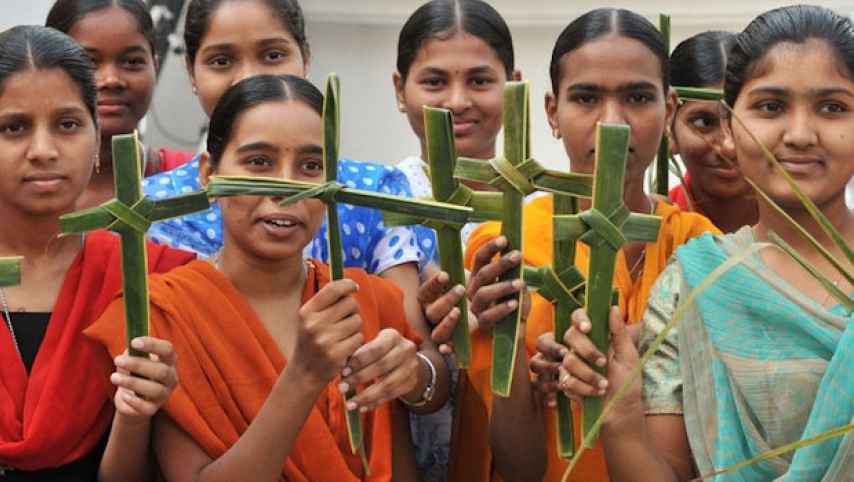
[228, 363]
[676, 228]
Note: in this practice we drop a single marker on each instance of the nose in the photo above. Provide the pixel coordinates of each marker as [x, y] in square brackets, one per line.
[458, 98]
[248, 69]
[42, 146]
[108, 76]
[799, 130]
[612, 112]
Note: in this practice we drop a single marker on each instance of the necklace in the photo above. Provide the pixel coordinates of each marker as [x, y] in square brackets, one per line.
[9, 320]
[643, 253]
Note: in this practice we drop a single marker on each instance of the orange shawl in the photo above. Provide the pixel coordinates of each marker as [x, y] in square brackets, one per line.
[676, 228]
[58, 412]
[228, 363]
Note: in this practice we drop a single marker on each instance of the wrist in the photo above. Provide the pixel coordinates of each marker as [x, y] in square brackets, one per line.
[426, 394]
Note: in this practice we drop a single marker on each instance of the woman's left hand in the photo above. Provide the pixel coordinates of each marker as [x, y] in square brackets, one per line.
[144, 383]
[390, 360]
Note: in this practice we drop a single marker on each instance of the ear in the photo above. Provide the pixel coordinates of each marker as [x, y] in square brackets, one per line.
[205, 169]
[671, 102]
[728, 141]
[190, 73]
[516, 75]
[306, 61]
[551, 111]
[400, 97]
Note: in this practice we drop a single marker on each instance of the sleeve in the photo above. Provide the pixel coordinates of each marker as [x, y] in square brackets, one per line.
[400, 244]
[662, 375]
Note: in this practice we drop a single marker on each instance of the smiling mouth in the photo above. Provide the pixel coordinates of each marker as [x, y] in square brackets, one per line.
[279, 223]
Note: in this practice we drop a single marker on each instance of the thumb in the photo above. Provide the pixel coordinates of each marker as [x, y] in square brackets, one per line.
[621, 341]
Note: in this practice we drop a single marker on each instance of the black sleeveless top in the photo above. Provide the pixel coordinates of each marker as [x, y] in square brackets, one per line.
[30, 329]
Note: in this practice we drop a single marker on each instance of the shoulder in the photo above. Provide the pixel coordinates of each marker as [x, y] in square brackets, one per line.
[170, 159]
[683, 225]
[181, 180]
[372, 176]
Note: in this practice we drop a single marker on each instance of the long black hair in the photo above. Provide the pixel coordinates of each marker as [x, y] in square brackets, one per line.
[199, 12]
[700, 60]
[795, 24]
[604, 21]
[30, 47]
[442, 19]
[250, 92]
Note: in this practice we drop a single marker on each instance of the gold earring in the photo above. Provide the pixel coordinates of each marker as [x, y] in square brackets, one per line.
[97, 163]
[401, 107]
[556, 133]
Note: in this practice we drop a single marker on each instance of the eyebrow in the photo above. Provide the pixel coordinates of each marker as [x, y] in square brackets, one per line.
[312, 149]
[629, 86]
[813, 93]
[256, 146]
[130, 50]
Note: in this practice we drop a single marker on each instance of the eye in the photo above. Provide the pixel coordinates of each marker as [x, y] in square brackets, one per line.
[481, 81]
[134, 62]
[219, 61]
[584, 99]
[275, 56]
[770, 106]
[257, 161]
[69, 124]
[313, 166]
[639, 98]
[833, 108]
[432, 82]
[12, 128]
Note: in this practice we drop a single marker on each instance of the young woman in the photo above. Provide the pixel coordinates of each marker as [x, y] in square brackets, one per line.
[714, 186]
[611, 66]
[763, 357]
[267, 343]
[119, 37]
[456, 55]
[56, 416]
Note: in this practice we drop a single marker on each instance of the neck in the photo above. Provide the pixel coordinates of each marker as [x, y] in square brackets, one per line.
[261, 279]
[836, 212]
[33, 237]
[474, 185]
[729, 215]
[634, 196]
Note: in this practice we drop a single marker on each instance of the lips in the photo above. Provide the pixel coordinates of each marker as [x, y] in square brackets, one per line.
[463, 126]
[107, 107]
[45, 181]
[800, 165]
[280, 225]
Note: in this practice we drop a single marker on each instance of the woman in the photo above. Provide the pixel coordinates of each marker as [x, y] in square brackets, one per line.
[228, 41]
[56, 416]
[268, 344]
[610, 66]
[762, 357]
[455, 55]
[714, 187]
[119, 37]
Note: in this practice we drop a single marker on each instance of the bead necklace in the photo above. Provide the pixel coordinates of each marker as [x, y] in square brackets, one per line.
[9, 320]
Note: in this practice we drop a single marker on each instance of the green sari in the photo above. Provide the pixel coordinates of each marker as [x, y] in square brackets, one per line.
[754, 365]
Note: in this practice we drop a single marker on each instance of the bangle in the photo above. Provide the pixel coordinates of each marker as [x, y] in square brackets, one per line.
[430, 389]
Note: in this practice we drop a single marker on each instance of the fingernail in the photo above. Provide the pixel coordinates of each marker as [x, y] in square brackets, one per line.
[116, 378]
[127, 396]
[584, 325]
[137, 343]
[459, 290]
[552, 403]
[603, 384]
[343, 387]
[517, 283]
[512, 304]
[351, 406]
[363, 409]
[515, 256]
[455, 313]
[600, 362]
[121, 361]
[346, 372]
[564, 352]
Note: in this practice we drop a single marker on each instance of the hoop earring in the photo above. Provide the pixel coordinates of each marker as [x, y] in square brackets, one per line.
[97, 163]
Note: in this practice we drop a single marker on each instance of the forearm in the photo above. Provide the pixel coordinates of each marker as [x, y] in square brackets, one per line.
[632, 454]
[516, 429]
[442, 386]
[128, 456]
[261, 451]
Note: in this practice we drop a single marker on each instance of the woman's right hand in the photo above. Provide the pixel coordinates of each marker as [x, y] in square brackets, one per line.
[578, 378]
[329, 331]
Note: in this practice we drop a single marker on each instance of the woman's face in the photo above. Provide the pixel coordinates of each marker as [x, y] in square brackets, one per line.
[611, 79]
[243, 39]
[275, 139]
[805, 121]
[125, 68]
[462, 74]
[697, 137]
[48, 142]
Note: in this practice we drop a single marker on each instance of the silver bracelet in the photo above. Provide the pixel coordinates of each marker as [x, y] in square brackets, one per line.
[430, 389]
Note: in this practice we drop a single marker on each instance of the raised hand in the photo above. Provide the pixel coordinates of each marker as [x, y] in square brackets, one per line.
[390, 360]
[329, 332]
[144, 383]
[441, 311]
[485, 290]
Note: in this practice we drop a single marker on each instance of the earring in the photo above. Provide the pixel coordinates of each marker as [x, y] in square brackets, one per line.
[97, 163]
[556, 133]
[401, 107]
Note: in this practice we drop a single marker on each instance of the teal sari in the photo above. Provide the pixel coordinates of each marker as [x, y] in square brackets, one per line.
[761, 366]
